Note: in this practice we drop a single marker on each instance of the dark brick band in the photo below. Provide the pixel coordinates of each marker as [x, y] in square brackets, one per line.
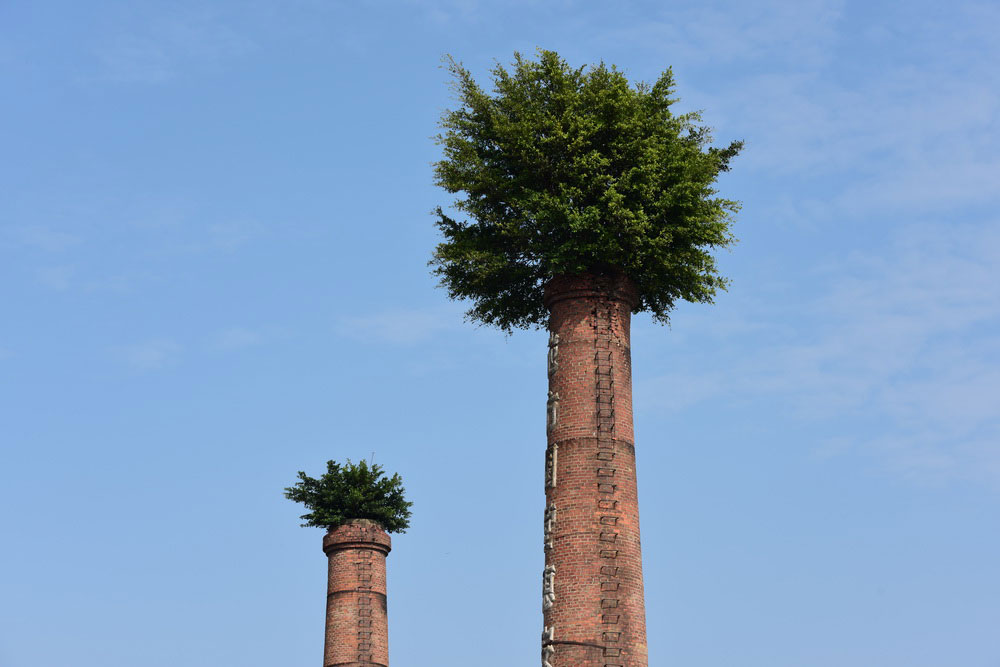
[378, 596]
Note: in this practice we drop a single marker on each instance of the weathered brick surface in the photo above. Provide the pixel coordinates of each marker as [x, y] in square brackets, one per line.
[593, 605]
[357, 627]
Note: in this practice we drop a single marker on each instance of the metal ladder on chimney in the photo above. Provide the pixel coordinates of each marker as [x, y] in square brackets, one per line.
[607, 483]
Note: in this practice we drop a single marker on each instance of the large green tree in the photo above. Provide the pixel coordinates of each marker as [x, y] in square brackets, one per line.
[563, 171]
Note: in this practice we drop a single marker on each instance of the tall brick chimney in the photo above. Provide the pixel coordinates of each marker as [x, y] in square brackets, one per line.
[357, 626]
[592, 592]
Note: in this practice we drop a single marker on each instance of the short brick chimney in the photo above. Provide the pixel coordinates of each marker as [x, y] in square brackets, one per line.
[357, 626]
[592, 591]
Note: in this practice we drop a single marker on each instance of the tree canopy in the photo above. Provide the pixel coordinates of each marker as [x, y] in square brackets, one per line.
[347, 492]
[564, 171]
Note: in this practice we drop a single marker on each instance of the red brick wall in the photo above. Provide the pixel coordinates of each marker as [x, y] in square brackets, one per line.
[357, 627]
[593, 606]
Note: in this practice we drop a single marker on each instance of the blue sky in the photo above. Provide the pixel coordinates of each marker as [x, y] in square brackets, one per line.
[214, 229]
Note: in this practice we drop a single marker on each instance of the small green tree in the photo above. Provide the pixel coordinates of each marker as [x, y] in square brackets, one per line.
[568, 170]
[347, 492]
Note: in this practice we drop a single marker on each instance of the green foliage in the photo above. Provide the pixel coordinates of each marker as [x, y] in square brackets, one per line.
[565, 171]
[350, 491]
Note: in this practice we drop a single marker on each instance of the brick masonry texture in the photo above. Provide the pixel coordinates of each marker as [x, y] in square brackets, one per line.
[357, 626]
[592, 590]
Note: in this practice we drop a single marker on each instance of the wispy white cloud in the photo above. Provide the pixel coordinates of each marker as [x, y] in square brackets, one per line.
[135, 59]
[43, 238]
[897, 118]
[399, 326]
[909, 345]
[151, 354]
[722, 34]
[883, 135]
[59, 278]
[63, 278]
[227, 235]
[238, 338]
[452, 12]
[233, 233]
[165, 47]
